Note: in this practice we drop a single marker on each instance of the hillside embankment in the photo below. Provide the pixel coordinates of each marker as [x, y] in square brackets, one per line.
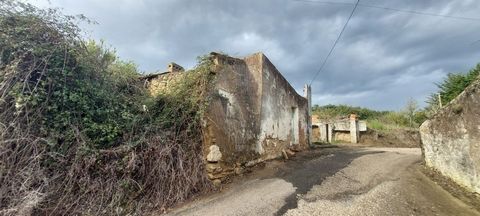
[406, 138]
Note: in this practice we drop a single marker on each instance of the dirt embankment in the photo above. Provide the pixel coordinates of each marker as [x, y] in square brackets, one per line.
[470, 198]
[392, 138]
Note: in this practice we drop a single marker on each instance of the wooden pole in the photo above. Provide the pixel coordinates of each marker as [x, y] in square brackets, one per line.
[440, 101]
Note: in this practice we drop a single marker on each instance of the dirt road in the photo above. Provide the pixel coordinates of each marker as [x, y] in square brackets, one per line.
[337, 181]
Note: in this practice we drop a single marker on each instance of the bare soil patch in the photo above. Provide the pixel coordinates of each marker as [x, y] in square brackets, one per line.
[403, 138]
[470, 198]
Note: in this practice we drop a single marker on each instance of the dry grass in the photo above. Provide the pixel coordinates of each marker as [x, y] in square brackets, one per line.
[161, 170]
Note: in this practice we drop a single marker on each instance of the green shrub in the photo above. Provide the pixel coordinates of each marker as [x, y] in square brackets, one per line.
[334, 111]
[73, 135]
[376, 125]
[183, 105]
[410, 117]
[450, 88]
[396, 118]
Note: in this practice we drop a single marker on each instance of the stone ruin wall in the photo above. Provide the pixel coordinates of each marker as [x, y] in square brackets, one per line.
[451, 139]
[233, 116]
[163, 82]
[251, 117]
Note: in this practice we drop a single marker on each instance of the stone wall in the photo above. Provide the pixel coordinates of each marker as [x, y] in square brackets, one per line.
[284, 115]
[451, 139]
[232, 121]
[254, 115]
[162, 82]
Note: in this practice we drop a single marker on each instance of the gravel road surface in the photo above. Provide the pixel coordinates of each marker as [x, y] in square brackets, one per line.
[334, 181]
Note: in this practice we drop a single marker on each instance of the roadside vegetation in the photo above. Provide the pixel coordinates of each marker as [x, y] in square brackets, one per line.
[450, 88]
[410, 117]
[79, 134]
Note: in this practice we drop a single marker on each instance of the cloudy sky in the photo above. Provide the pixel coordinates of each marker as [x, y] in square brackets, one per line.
[384, 57]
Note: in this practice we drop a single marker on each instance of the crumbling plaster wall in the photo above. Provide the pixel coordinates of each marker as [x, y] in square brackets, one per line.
[284, 114]
[451, 139]
[250, 115]
[232, 120]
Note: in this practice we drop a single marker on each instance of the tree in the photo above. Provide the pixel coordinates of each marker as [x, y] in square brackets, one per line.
[410, 110]
[451, 87]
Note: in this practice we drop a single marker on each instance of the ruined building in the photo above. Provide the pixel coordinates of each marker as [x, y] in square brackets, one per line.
[340, 130]
[254, 115]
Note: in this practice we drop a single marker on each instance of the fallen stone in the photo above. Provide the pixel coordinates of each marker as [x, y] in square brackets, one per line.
[238, 170]
[284, 154]
[213, 168]
[253, 162]
[214, 155]
[217, 182]
[220, 175]
[290, 153]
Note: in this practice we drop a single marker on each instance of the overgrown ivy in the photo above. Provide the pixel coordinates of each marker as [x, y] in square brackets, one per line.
[186, 100]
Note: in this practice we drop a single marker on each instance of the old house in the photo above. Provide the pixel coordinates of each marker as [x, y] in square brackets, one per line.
[254, 115]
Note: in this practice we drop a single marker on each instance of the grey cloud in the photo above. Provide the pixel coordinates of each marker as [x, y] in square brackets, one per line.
[384, 57]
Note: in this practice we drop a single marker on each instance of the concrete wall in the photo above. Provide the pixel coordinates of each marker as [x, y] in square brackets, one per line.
[451, 139]
[254, 115]
[341, 130]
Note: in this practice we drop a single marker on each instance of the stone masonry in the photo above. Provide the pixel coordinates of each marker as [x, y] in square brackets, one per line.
[253, 115]
[451, 139]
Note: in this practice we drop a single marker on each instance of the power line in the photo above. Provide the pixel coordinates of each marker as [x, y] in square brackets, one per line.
[393, 9]
[421, 13]
[335, 43]
[325, 2]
